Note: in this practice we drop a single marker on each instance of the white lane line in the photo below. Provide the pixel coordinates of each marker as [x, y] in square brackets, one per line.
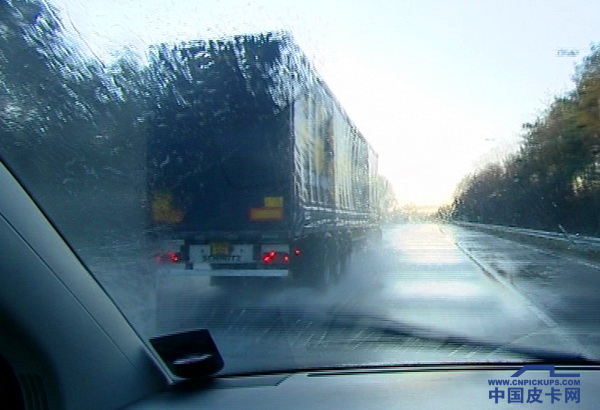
[547, 252]
[497, 277]
[535, 309]
[558, 255]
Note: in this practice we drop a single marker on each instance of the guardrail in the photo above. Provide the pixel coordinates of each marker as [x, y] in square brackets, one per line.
[583, 246]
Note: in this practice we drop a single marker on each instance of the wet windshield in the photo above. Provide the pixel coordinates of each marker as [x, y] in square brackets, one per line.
[320, 184]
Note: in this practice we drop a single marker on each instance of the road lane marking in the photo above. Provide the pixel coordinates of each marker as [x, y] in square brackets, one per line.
[530, 304]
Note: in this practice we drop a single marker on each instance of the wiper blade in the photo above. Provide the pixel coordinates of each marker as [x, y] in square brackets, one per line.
[395, 329]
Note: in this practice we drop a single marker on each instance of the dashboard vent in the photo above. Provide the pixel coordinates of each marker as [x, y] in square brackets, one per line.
[33, 392]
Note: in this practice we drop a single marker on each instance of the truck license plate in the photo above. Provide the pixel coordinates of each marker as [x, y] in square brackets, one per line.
[221, 252]
[219, 249]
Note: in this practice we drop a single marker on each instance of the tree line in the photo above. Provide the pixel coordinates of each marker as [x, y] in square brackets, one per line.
[71, 126]
[552, 182]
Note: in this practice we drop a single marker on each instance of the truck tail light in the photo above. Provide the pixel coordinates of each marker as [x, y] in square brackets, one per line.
[275, 257]
[269, 257]
[168, 257]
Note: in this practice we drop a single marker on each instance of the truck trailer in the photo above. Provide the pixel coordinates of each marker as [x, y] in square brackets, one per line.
[255, 170]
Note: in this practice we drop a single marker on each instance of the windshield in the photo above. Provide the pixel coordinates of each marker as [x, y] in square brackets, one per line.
[320, 184]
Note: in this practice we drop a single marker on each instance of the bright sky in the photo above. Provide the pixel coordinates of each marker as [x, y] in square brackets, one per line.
[437, 87]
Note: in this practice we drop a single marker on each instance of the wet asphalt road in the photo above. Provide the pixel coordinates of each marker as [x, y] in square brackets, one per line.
[564, 290]
[435, 279]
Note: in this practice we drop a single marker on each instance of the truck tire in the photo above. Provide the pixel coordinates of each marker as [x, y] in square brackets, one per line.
[315, 273]
[330, 267]
[310, 269]
[344, 264]
[322, 264]
[330, 272]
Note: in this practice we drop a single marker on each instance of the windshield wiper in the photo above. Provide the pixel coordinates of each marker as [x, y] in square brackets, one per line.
[392, 330]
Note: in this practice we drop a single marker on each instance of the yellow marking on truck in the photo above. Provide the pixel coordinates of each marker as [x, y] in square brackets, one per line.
[273, 202]
[219, 248]
[163, 210]
[266, 214]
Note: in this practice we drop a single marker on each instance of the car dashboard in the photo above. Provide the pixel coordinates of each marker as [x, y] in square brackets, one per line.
[421, 387]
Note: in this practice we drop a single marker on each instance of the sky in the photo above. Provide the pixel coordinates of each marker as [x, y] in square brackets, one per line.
[438, 88]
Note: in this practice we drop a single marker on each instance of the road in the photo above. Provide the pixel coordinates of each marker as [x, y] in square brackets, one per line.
[564, 289]
[419, 280]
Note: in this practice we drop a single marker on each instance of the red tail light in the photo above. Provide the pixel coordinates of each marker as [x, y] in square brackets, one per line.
[269, 257]
[273, 257]
[173, 256]
[297, 252]
[168, 257]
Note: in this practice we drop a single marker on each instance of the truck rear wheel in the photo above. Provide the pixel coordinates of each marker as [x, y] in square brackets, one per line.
[322, 263]
[328, 269]
[329, 272]
[344, 259]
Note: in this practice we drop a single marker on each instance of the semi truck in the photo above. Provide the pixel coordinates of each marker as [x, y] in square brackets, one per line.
[255, 170]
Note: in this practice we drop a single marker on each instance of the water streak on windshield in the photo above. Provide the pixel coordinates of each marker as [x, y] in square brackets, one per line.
[235, 182]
